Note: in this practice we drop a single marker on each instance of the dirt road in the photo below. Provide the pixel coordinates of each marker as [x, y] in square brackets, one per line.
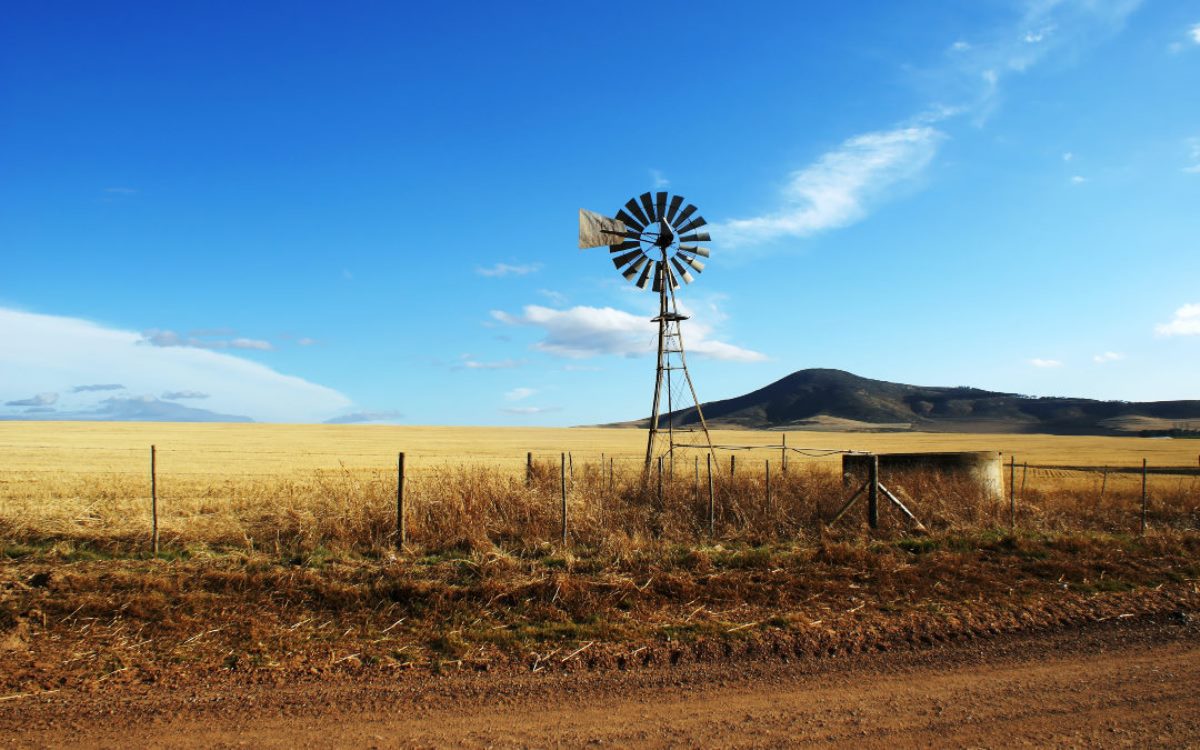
[1116, 684]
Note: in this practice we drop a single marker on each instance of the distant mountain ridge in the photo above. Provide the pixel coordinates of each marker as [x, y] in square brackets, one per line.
[824, 399]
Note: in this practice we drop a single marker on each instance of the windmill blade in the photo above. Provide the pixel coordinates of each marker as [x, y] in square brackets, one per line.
[696, 237]
[683, 272]
[695, 223]
[684, 214]
[597, 230]
[623, 246]
[630, 222]
[695, 250]
[648, 204]
[636, 210]
[632, 271]
[673, 208]
[660, 205]
[696, 265]
[641, 282]
[620, 260]
[658, 275]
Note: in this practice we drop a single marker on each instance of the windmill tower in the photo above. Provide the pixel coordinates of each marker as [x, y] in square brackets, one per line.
[653, 241]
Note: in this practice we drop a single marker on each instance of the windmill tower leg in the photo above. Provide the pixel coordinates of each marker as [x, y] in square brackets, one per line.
[670, 341]
[660, 368]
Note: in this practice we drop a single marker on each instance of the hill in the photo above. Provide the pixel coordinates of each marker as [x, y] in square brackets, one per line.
[822, 399]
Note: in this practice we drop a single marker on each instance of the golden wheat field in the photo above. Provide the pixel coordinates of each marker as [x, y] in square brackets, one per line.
[289, 487]
[261, 449]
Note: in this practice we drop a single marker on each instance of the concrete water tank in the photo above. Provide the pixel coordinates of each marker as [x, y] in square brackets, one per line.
[982, 468]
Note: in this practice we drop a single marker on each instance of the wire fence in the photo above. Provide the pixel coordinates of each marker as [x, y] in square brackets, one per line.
[376, 500]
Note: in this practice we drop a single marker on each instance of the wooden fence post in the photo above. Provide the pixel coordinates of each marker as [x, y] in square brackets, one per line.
[529, 469]
[696, 481]
[1143, 524]
[768, 483]
[153, 502]
[1012, 494]
[732, 464]
[1103, 483]
[571, 468]
[783, 453]
[873, 492]
[401, 525]
[712, 520]
[562, 476]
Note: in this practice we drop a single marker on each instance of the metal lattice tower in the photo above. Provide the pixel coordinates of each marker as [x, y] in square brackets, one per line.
[653, 240]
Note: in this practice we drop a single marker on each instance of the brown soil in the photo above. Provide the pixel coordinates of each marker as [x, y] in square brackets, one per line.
[1125, 682]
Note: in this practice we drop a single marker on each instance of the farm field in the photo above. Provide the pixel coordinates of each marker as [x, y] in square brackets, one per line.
[280, 564]
[72, 447]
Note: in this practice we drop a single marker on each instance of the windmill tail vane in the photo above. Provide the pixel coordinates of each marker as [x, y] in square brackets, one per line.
[654, 240]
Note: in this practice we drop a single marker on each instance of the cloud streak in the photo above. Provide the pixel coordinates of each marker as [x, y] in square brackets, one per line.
[41, 399]
[365, 417]
[202, 340]
[471, 363]
[1045, 364]
[97, 387]
[840, 187]
[180, 395]
[41, 351]
[530, 410]
[843, 185]
[506, 269]
[581, 332]
[1186, 322]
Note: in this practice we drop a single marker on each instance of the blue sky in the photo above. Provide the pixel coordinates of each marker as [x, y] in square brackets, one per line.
[366, 211]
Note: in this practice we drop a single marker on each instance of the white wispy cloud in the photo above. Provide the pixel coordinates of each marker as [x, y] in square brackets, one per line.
[1037, 36]
[508, 269]
[529, 410]
[658, 178]
[469, 362]
[839, 188]
[1193, 149]
[1186, 322]
[1045, 363]
[519, 394]
[1044, 28]
[1194, 33]
[42, 351]
[581, 332]
[1078, 179]
[556, 298]
[1106, 357]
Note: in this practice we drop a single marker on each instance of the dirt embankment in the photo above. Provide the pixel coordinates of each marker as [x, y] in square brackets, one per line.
[1126, 682]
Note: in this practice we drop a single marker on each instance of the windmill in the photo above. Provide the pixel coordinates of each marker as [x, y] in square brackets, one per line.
[654, 240]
